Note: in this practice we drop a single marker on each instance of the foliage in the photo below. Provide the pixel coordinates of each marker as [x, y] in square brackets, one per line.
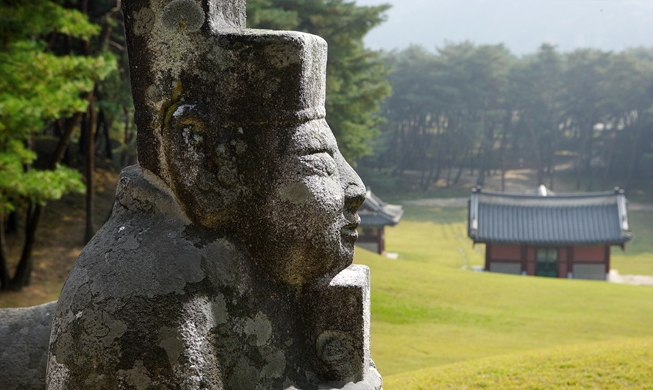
[427, 311]
[445, 106]
[26, 20]
[480, 107]
[36, 185]
[355, 76]
[38, 87]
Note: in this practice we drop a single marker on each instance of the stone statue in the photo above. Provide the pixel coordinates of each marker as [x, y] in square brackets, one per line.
[24, 337]
[226, 263]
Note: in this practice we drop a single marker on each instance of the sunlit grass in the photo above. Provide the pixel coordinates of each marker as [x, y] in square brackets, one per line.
[618, 364]
[428, 312]
[637, 259]
[435, 235]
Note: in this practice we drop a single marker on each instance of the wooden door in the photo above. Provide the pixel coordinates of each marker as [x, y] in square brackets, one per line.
[546, 262]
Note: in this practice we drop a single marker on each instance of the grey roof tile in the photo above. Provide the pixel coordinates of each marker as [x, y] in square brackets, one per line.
[558, 219]
[375, 212]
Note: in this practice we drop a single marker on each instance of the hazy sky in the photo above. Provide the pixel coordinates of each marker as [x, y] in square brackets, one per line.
[522, 25]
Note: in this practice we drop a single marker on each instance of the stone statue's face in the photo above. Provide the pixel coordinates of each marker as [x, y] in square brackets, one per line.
[309, 218]
[286, 194]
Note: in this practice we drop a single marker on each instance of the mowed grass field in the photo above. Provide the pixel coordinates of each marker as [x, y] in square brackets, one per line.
[620, 364]
[430, 313]
[637, 259]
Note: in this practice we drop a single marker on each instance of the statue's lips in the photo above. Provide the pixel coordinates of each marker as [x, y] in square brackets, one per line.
[349, 236]
[349, 231]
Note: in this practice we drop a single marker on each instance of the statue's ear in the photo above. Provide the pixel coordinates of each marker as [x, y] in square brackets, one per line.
[201, 173]
[184, 111]
[186, 134]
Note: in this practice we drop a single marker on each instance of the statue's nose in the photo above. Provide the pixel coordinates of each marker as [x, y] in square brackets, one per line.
[352, 185]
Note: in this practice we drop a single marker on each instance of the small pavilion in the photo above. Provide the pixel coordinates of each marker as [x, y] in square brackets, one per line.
[546, 234]
[375, 216]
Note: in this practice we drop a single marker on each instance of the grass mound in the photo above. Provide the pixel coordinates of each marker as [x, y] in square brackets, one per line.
[618, 364]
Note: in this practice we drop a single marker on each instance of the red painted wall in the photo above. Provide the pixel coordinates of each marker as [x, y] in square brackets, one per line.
[567, 256]
[505, 252]
[589, 254]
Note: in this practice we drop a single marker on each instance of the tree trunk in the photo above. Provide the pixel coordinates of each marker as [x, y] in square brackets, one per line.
[579, 159]
[82, 141]
[4, 270]
[90, 168]
[633, 161]
[12, 222]
[23, 274]
[538, 154]
[58, 128]
[449, 168]
[462, 166]
[125, 153]
[610, 158]
[102, 128]
[554, 150]
[422, 178]
[480, 181]
[107, 26]
[436, 167]
[64, 141]
[404, 156]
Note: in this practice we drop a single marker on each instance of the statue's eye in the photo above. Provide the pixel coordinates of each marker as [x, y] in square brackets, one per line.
[320, 163]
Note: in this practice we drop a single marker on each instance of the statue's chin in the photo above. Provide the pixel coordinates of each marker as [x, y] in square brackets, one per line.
[307, 268]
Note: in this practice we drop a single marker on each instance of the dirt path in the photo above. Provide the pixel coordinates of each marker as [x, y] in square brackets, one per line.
[635, 280]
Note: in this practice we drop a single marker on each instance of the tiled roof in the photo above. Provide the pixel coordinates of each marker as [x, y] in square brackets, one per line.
[375, 212]
[594, 218]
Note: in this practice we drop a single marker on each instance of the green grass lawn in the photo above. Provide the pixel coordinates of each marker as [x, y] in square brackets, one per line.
[619, 364]
[637, 259]
[427, 311]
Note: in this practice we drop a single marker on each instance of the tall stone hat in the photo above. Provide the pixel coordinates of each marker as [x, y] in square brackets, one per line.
[200, 51]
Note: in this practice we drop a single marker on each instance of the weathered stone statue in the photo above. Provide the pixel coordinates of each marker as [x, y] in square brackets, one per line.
[226, 263]
[24, 337]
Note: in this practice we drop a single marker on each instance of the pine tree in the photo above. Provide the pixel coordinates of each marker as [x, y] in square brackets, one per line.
[37, 87]
[355, 75]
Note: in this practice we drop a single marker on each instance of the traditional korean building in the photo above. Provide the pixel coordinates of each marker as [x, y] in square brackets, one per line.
[545, 234]
[375, 216]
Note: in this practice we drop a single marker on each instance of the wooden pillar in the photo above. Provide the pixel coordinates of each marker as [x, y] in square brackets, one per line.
[381, 239]
[531, 260]
[570, 261]
[523, 253]
[488, 248]
[607, 260]
[562, 262]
